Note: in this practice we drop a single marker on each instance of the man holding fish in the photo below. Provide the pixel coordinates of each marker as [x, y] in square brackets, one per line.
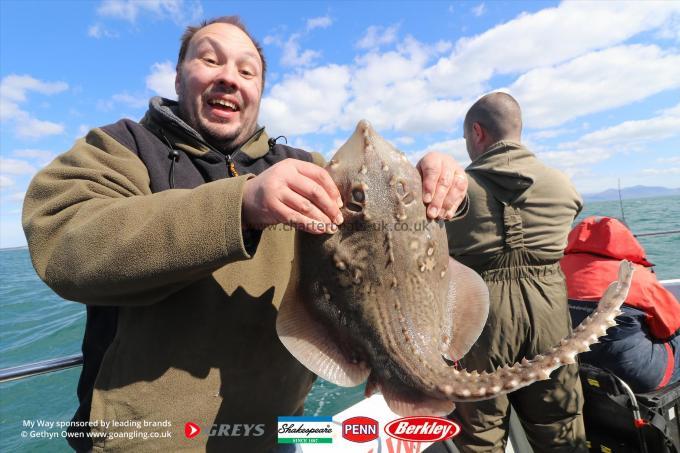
[160, 227]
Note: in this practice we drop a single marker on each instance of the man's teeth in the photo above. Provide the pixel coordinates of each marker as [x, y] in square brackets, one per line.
[227, 104]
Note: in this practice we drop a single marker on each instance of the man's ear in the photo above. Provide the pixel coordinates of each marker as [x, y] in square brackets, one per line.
[478, 133]
[177, 84]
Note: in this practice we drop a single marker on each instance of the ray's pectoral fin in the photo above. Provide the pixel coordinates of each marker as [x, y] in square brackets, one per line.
[408, 403]
[468, 303]
[309, 342]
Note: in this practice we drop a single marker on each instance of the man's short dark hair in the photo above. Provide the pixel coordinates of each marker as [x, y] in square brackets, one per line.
[498, 113]
[231, 20]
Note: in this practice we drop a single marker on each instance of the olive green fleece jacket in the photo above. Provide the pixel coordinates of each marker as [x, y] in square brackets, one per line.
[515, 202]
[195, 339]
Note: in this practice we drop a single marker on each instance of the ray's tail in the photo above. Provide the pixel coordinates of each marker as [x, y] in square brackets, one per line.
[471, 386]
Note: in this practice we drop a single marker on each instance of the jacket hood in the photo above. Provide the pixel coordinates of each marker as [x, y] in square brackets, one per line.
[607, 237]
[508, 165]
[165, 112]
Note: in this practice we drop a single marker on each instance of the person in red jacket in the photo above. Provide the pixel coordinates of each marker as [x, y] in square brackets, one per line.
[642, 349]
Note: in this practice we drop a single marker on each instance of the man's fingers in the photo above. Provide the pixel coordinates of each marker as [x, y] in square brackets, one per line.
[314, 192]
[430, 170]
[441, 192]
[321, 176]
[304, 209]
[455, 196]
[289, 216]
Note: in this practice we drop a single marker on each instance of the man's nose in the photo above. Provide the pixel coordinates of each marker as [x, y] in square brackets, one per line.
[228, 77]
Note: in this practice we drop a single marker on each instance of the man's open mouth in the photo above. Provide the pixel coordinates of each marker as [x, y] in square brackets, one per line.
[224, 104]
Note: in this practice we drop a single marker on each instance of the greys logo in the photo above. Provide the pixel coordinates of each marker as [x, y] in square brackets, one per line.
[237, 430]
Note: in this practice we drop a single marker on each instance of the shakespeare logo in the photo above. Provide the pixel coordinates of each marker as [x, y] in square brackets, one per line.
[305, 430]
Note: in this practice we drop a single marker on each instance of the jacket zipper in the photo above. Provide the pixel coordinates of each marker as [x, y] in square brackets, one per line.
[231, 168]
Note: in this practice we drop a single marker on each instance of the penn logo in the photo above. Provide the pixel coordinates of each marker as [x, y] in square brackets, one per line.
[422, 429]
[360, 429]
[191, 430]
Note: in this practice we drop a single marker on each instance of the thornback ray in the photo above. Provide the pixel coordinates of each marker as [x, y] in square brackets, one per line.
[382, 298]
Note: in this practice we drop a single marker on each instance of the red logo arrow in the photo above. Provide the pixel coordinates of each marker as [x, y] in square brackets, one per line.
[191, 430]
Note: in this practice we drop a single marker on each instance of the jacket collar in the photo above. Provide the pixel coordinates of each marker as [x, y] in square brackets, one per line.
[507, 164]
[163, 119]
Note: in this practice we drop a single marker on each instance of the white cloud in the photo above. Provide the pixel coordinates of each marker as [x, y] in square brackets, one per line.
[13, 91]
[548, 133]
[126, 99]
[430, 116]
[14, 87]
[387, 88]
[16, 197]
[9, 110]
[662, 171]
[292, 56]
[161, 80]
[598, 146]
[410, 89]
[670, 30]
[272, 40]
[6, 181]
[32, 128]
[634, 132]
[16, 167]
[455, 147]
[669, 160]
[547, 37]
[576, 157]
[42, 156]
[595, 82]
[179, 11]
[479, 9]
[307, 102]
[405, 140]
[377, 36]
[319, 22]
[390, 90]
[672, 111]
[98, 31]
[130, 100]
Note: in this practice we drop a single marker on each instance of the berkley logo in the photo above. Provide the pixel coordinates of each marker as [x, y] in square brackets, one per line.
[422, 429]
[360, 429]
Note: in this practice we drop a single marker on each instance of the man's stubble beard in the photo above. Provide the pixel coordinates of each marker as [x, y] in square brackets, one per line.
[225, 143]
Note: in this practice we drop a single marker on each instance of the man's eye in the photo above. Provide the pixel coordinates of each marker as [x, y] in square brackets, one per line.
[247, 72]
[209, 60]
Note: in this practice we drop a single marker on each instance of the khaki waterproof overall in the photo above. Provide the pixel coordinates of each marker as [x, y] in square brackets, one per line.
[513, 235]
[524, 293]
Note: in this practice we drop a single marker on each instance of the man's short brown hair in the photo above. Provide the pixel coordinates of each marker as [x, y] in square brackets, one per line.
[231, 20]
[499, 114]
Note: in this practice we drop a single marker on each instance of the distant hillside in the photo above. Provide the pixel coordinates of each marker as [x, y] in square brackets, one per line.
[631, 192]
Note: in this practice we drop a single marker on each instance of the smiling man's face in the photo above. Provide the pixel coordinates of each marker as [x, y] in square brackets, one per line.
[219, 85]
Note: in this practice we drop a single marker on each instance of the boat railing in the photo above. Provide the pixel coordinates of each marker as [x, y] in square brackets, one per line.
[45, 366]
[62, 363]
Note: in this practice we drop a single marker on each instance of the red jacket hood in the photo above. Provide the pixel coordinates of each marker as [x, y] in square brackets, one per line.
[591, 262]
[607, 237]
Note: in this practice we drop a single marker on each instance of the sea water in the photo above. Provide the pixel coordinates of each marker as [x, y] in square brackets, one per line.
[36, 324]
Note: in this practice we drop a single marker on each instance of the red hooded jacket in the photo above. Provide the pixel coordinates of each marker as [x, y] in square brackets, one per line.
[594, 250]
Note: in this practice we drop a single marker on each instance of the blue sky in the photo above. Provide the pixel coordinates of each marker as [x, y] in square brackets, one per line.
[599, 83]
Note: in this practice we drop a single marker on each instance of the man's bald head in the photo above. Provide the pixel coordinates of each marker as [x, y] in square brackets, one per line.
[500, 116]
